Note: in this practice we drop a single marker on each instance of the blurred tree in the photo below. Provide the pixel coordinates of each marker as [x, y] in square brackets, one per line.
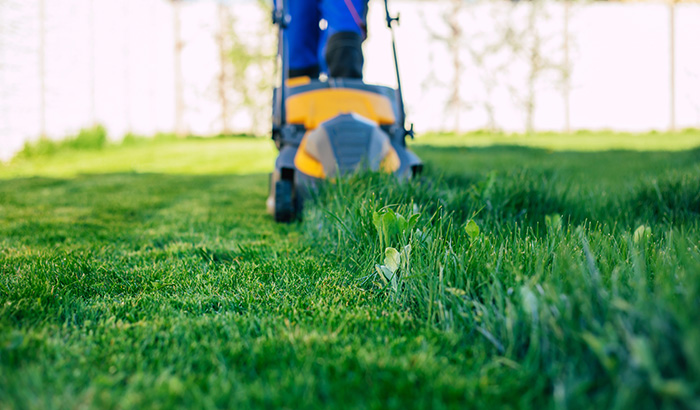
[180, 125]
[42, 68]
[126, 56]
[454, 41]
[531, 44]
[672, 62]
[253, 69]
[514, 35]
[91, 59]
[223, 80]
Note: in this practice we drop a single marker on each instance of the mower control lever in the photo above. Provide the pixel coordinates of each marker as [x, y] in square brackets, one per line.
[281, 18]
[390, 19]
[410, 133]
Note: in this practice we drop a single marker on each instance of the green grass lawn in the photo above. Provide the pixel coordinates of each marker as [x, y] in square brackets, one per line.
[149, 275]
[578, 141]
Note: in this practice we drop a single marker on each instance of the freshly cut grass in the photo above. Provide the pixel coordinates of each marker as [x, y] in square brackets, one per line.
[178, 291]
[148, 275]
[190, 156]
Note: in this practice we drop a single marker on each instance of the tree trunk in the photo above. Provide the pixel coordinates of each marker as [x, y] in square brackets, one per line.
[672, 64]
[567, 69]
[42, 68]
[224, 22]
[180, 130]
[127, 77]
[91, 63]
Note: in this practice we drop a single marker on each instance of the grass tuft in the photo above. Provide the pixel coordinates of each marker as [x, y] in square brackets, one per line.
[89, 139]
[674, 197]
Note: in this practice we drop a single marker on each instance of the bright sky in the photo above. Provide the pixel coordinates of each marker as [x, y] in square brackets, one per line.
[123, 61]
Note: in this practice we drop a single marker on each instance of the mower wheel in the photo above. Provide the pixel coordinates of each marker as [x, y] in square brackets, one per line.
[284, 203]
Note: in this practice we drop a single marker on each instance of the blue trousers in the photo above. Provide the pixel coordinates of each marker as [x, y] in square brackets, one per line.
[307, 41]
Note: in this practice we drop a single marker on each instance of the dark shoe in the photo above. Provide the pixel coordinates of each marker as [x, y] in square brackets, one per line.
[344, 55]
[311, 72]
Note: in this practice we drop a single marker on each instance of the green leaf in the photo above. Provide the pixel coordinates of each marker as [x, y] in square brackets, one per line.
[641, 233]
[388, 222]
[392, 259]
[529, 301]
[377, 220]
[401, 223]
[413, 220]
[472, 229]
[384, 273]
[389, 219]
[642, 354]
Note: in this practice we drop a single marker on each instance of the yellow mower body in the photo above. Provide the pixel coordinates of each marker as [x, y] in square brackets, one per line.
[313, 108]
[331, 128]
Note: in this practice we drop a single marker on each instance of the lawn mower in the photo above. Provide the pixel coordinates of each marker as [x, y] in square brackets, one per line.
[325, 128]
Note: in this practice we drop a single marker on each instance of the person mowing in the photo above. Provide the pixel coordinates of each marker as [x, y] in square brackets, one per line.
[335, 51]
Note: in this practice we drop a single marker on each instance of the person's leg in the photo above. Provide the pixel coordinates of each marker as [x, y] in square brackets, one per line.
[303, 34]
[346, 31]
